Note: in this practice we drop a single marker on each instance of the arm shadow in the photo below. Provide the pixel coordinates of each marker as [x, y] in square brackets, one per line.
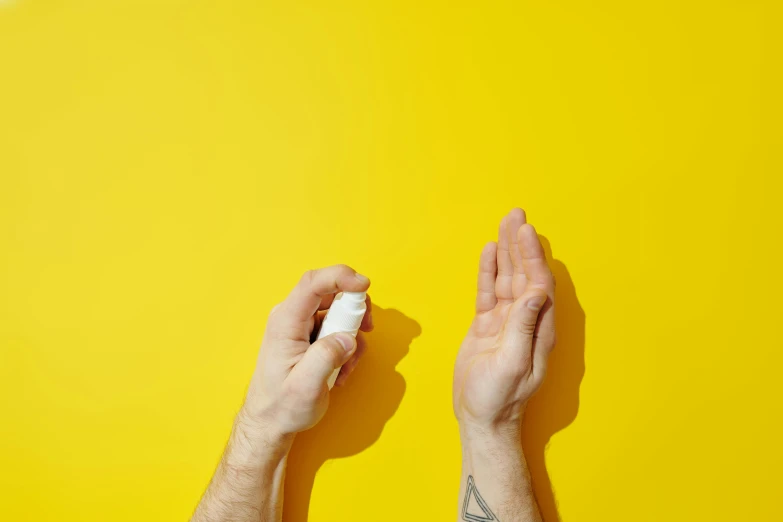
[556, 404]
[357, 412]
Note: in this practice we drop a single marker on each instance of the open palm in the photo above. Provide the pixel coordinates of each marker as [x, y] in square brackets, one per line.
[502, 360]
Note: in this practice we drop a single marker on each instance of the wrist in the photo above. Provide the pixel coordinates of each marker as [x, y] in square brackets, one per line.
[256, 443]
[491, 439]
[493, 451]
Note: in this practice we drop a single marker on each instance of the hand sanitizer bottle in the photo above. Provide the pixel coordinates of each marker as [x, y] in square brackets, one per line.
[345, 315]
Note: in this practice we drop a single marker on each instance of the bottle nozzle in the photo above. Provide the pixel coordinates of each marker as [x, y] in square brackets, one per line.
[357, 297]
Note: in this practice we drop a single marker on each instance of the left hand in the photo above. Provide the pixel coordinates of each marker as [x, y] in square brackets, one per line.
[288, 392]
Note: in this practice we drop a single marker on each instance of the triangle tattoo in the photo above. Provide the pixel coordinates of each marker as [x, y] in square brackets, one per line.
[470, 510]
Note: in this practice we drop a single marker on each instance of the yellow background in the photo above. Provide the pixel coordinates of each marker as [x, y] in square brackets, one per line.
[169, 168]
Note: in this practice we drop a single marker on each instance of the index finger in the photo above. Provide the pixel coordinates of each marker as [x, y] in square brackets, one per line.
[539, 275]
[533, 259]
[367, 324]
[305, 299]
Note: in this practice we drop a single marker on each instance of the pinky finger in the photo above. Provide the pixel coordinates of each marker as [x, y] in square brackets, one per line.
[488, 271]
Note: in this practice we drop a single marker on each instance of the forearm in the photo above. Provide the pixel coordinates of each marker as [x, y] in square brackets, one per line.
[248, 484]
[495, 482]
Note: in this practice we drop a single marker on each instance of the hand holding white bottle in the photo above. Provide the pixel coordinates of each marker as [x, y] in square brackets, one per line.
[345, 315]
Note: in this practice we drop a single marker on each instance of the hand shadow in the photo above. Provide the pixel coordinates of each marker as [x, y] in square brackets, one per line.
[357, 411]
[556, 404]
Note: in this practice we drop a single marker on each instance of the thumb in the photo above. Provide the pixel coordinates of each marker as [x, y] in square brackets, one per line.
[322, 358]
[517, 344]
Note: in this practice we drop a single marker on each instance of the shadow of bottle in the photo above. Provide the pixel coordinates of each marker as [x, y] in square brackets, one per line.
[554, 407]
[357, 412]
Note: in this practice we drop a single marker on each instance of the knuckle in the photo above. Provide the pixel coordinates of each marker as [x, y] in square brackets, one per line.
[343, 269]
[308, 277]
[526, 323]
[330, 352]
[527, 328]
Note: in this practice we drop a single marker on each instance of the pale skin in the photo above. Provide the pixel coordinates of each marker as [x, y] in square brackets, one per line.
[500, 364]
[287, 394]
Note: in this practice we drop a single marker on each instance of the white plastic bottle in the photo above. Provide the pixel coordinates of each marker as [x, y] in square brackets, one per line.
[345, 315]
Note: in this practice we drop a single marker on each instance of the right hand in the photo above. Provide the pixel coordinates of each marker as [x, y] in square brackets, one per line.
[289, 392]
[502, 360]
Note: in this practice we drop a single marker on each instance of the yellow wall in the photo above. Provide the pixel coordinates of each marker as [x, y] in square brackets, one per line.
[169, 168]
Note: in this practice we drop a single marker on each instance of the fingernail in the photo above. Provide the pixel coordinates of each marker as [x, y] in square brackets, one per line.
[362, 279]
[346, 341]
[535, 303]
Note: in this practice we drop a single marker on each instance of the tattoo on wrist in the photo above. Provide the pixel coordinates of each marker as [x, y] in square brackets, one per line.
[475, 508]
